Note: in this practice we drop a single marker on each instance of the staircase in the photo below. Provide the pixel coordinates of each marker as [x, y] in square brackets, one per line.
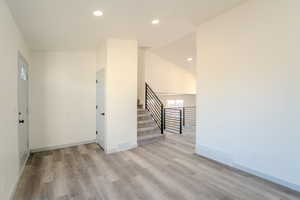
[148, 131]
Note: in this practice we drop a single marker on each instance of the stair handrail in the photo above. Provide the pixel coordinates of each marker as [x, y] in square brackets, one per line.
[155, 106]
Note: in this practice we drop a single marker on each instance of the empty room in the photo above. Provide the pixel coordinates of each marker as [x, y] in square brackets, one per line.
[149, 100]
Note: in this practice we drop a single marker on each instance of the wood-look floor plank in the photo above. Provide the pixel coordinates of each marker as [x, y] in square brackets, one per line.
[166, 170]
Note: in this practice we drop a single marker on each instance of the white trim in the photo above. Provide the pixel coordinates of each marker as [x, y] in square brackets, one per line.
[214, 155]
[13, 192]
[226, 160]
[122, 147]
[49, 148]
[269, 178]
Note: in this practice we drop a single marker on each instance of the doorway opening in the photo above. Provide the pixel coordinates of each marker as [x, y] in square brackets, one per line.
[100, 108]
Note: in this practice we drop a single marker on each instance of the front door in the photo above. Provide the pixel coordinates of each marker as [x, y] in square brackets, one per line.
[23, 129]
[100, 108]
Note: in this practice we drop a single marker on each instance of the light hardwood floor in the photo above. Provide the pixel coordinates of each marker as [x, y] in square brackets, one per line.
[165, 170]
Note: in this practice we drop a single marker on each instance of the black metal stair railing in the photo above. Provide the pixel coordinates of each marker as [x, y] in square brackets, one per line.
[173, 120]
[176, 119]
[154, 105]
[189, 117]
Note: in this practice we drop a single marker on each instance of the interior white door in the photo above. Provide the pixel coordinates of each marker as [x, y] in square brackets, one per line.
[100, 108]
[23, 127]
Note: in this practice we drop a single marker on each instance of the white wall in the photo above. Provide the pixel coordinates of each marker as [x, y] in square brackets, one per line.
[101, 56]
[10, 43]
[121, 95]
[189, 99]
[141, 74]
[63, 98]
[248, 89]
[166, 77]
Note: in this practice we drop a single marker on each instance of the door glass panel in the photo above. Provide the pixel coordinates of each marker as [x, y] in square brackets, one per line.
[23, 73]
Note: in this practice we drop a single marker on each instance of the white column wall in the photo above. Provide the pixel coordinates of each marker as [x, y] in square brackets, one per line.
[121, 94]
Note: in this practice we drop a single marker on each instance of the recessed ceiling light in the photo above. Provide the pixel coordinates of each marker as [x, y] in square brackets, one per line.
[98, 13]
[189, 59]
[155, 21]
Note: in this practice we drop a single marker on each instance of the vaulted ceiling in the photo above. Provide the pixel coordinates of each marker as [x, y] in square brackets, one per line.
[179, 51]
[71, 25]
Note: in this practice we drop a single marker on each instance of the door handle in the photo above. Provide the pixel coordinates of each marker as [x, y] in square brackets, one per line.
[21, 121]
[103, 114]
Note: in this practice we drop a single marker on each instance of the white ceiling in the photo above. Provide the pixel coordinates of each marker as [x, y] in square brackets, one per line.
[70, 24]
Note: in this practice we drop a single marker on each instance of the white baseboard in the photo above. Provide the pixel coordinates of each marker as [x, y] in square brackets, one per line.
[121, 147]
[14, 189]
[226, 160]
[269, 178]
[49, 148]
[215, 155]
